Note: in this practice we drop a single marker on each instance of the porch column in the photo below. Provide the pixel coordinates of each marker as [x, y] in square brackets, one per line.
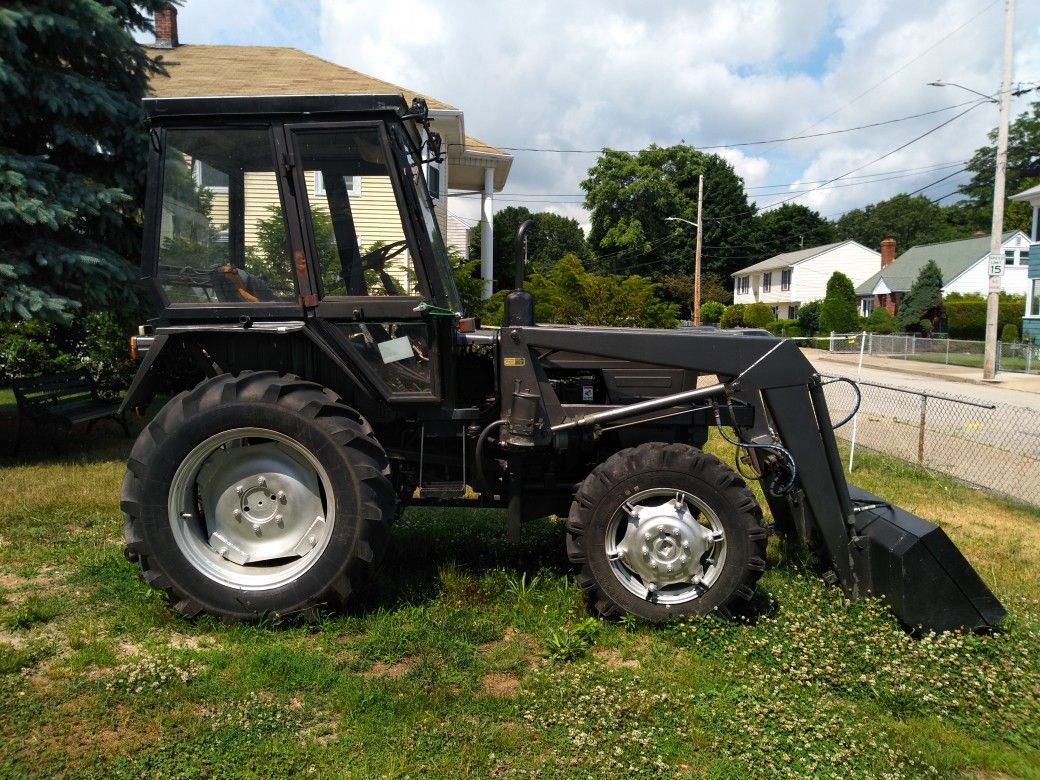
[487, 232]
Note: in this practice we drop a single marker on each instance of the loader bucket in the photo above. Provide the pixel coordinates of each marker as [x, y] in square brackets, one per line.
[920, 573]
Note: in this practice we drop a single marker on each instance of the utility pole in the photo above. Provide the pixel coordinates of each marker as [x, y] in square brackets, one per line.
[989, 364]
[697, 255]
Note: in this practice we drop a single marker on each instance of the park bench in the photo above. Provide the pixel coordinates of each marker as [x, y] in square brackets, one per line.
[60, 401]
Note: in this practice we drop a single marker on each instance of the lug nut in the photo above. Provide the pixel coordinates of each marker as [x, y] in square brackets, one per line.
[278, 519]
[237, 513]
[281, 495]
[686, 545]
[312, 540]
[261, 481]
[239, 490]
[256, 528]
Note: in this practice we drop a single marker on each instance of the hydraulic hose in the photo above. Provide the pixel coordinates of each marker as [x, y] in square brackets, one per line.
[478, 456]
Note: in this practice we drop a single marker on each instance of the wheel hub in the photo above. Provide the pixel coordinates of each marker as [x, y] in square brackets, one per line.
[260, 503]
[668, 540]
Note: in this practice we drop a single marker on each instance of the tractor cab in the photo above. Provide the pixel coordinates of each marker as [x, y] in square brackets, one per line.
[274, 210]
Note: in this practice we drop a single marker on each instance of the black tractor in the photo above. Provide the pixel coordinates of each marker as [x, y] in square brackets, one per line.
[299, 275]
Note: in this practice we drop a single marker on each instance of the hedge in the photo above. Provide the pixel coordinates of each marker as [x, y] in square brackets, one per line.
[966, 315]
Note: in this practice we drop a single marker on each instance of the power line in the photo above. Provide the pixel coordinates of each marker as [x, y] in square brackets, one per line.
[902, 67]
[742, 143]
[870, 178]
[865, 165]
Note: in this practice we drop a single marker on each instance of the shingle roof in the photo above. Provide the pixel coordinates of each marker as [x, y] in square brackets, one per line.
[788, 258]
[200, 70]
[952, 257]
[1029, 194]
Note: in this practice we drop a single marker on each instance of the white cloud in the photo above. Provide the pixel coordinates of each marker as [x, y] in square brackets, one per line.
[592, 73]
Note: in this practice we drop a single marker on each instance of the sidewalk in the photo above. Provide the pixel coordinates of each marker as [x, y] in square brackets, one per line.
[1029, 383]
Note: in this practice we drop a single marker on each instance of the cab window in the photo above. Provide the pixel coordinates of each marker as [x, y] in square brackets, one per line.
[222, 235]
[357, 234]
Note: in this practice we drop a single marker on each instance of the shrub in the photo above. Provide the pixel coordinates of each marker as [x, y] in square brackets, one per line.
[757, 315]
[98, 343]
[924, 302]
[732, 316]
[838, 311]
[1009, 335]
[881, 321]
[809, 317]
[711, 312]
[784, 328]
[966, 314]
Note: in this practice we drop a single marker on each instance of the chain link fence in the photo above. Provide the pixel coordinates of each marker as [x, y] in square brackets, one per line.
[995, 447]
[1018, 357]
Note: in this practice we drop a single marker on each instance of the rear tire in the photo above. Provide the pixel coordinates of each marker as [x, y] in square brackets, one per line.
[256, 494]
[665, 530]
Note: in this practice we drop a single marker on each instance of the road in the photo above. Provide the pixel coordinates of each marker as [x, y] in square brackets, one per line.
[995, 448]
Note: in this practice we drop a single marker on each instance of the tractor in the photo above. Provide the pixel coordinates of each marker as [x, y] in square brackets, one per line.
[328, 378]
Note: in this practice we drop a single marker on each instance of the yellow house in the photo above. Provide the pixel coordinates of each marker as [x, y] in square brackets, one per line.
[218, 70]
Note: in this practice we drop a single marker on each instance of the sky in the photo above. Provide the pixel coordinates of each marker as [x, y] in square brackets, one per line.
[581, 75]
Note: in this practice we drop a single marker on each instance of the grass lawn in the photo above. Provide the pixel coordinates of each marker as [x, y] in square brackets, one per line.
[970, 361]
[472, 658]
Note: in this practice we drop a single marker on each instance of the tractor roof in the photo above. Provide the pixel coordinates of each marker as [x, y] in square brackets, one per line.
[268, 105]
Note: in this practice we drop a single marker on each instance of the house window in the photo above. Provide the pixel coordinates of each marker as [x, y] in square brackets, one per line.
[866, 306]
[353, 184]
[433, 180]
[208, 176]
[743, 284]
[1034, 308]
[792, 311]
[776, 312]
[785, 279]
[1009, 257]
[767, 282]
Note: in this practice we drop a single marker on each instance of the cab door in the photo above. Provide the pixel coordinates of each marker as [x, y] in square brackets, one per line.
[364, 256]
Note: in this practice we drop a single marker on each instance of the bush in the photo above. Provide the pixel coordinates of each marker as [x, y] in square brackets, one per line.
[757, 315]
[732, 316]
[838, 312]
[1009, 335]
[881, 321]
[711, 312]
[784, 328]
[966, 314]
[98, 343]
[809, 317]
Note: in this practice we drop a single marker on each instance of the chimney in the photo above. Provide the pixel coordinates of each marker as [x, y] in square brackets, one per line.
[888, 251]
[166, 28]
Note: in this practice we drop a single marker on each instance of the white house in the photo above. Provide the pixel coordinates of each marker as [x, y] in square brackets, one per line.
[964, 268]
[788, 280]
[1031, 320]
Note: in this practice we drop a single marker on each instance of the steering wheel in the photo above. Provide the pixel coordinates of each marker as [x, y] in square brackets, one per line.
[376, 260]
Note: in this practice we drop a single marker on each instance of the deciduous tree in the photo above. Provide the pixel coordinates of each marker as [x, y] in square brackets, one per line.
[630, 195]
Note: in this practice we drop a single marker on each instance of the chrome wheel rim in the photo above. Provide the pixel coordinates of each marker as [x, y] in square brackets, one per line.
[251, 508]
[665, 546]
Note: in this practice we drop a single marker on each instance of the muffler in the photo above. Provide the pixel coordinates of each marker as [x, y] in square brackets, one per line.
[917, 570]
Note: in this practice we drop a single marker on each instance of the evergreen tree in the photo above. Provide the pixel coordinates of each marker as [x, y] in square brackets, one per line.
[838, 311]
[924, 301]
[73, 146]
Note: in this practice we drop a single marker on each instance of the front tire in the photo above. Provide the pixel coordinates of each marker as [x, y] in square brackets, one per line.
[256, 494]
[665, 530]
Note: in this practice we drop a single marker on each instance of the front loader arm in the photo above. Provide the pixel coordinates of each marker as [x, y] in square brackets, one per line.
[868, 546]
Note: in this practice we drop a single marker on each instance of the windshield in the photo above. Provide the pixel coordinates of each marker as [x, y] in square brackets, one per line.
[442, 263]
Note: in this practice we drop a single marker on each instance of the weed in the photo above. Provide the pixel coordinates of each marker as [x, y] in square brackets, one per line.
[572, 643]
